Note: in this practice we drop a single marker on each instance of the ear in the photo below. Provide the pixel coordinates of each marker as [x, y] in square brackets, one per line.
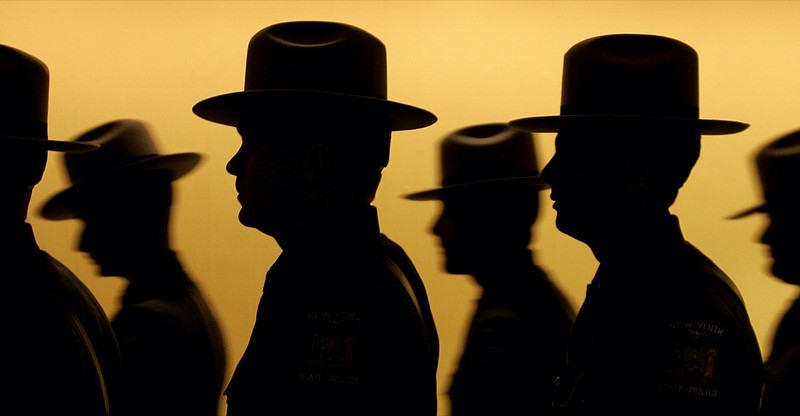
[635, 175]
[317, 161]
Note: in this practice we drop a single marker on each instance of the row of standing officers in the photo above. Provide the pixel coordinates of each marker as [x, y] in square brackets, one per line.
[344, 324]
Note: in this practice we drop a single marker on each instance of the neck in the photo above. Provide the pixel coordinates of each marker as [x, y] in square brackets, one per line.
[500, 266]
[329, 224]
[17, 204]
[629, 234]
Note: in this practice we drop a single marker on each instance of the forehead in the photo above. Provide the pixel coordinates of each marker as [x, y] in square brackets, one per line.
[270, 128]
[585, 145]
[595, 137]
[623, 143]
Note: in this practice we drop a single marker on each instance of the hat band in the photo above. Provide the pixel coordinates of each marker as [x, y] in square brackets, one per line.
[31, 129]
[98, 167]
[651, 110]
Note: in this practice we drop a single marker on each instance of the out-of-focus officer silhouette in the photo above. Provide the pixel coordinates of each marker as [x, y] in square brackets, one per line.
[517, 340]
[62, 355]
[343, 324]
[172, 348]
[778, 165]
[662, 329]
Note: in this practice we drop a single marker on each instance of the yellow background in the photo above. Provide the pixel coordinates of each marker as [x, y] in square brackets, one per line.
[466, 61]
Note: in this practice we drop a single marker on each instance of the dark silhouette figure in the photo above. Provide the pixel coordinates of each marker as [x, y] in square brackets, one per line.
[662, 329]
[517, 339]
[343, 325]
[778, 165]
[173, 357]
[63, 358]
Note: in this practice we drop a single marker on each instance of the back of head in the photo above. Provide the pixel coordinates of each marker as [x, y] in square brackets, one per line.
[672, 153]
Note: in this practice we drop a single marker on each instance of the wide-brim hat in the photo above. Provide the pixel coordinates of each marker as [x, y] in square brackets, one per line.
[778, 165]
[485, 156]
[629, 79]
[126, 147]
[24, 99]
[313, 67]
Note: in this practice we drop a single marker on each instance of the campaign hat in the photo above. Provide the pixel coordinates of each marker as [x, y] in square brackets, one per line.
[125, 147]
[313, 69]
[483, 156]
[778, 166]
[24, 103]
[627, 79]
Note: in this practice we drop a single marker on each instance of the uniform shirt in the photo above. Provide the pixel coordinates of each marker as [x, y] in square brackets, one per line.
[662, 331]
[63, 355]
[516, 344]
[173, 353]
[783, 367]
[337, 332]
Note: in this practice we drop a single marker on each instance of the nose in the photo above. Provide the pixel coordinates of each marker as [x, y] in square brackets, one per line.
[85, 240]
[550, 171]
[444, 227]
[234, 166]
[768, 236]
[438, 226]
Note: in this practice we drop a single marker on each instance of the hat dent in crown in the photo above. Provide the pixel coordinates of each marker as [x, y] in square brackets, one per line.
[620, 79]
[313, 67]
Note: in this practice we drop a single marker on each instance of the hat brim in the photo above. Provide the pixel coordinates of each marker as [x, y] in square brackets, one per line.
[229, 108]
[535, 182]
[552, 124]
[756, 209]
[63, 205]
[50, 145]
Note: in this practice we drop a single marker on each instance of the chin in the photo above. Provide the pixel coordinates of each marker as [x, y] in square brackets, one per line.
[248, 219]
[788, 273]
[256, 222]
[453, 267]
[243, 219]
[107, 272]
[568, 228]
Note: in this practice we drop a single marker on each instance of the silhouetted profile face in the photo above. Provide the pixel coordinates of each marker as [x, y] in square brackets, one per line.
[461, 232]
[604, 179]
[125, 221]
[270, 176]
[475, 225]
[21, 164]
[292, 168]
[782, 235]
[581, 177]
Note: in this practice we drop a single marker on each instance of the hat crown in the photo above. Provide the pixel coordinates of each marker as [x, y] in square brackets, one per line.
[121, 142]
[25, 84]
[487, 152]
[317, 56]
[630, 74]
